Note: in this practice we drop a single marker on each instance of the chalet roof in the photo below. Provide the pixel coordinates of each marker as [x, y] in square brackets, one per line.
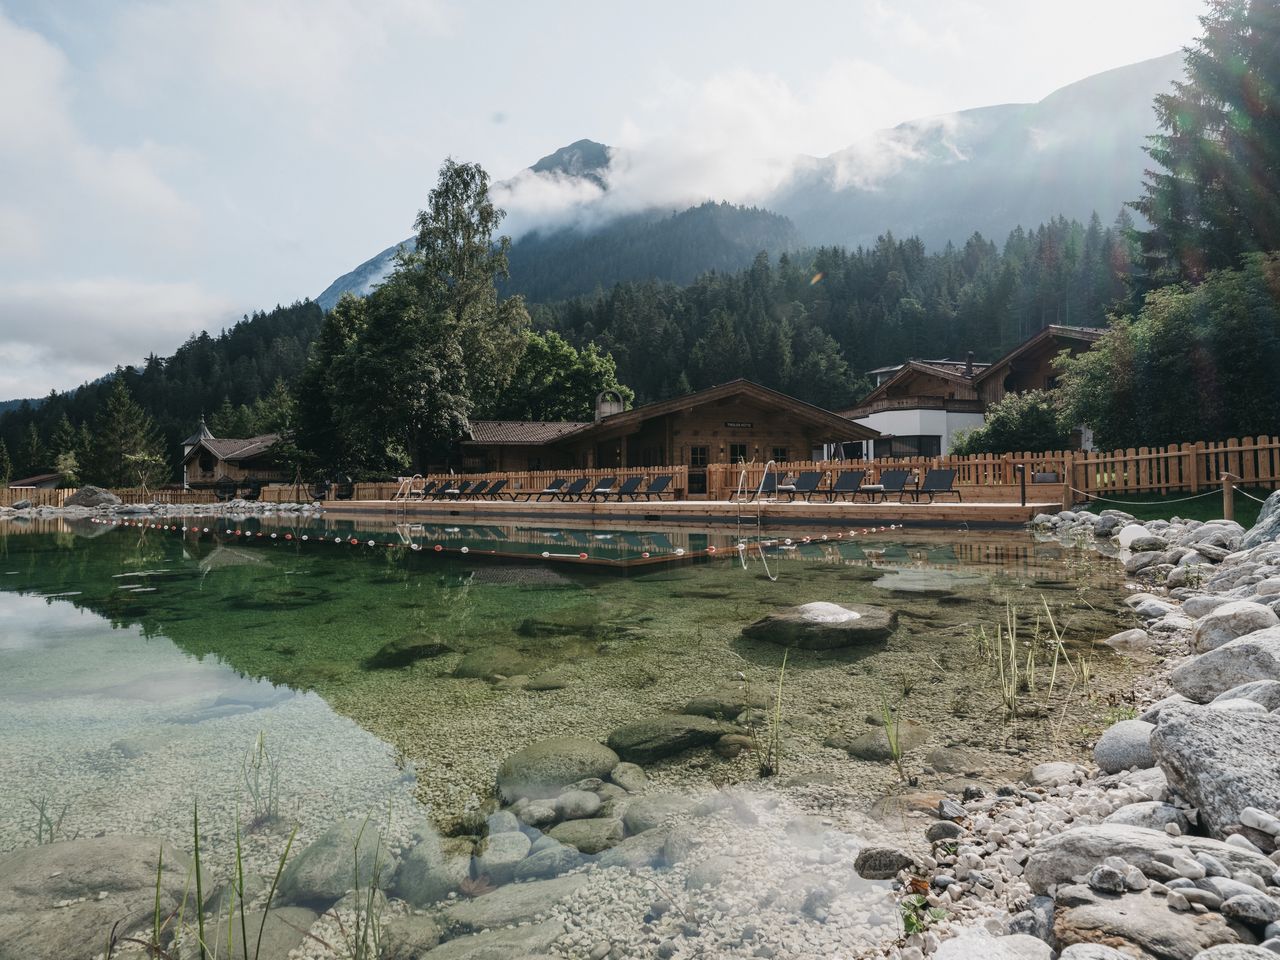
[842, 428]
[520, 432]
[236, 450]
[953, 366]
[951, 372]
[35, 480]
[202, 433]
[1052, 332]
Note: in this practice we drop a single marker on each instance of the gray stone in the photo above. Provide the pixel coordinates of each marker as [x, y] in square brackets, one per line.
[285, 929]
[1036, 921]
[642, 850]
[1267, 529]
[1125, 745]
[874, 744]
[33, 880]
[1140, 924]
[1130, 642]
[1152, 713]
[1147, 543]
[824, 626]
[630, 777]
[1229, 621]
[430, 871]
[943, 830]
[1253, 909]
[499, 854]
[1139, 562]
[882, 863]
[978, 945]
[348, 853]
[1106, 879]
[1053, 774]
[512, 904]
[1263, 692]
[1197, 606]
[1225, 887]
[1255, 656]
[406, 937]
[577, 804]
[557, 678]
[1221, 762]
[589, 836]
[1092, 951]
[549, 861]
[544, 768]
[953, 760]
[1151, 815]
[91, 496]
[726, 701]
[518, 943]
[664, 736]
[504, 821]
[490, 662]
[1235, 951]
[1073, 853]
[710, 872]
[654, 810]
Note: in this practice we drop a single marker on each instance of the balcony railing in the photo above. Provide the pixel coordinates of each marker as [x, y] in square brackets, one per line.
[950, 404]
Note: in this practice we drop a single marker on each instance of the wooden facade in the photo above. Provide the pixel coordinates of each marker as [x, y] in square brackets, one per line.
[735, 422]
[209, 462]
[1030, 365]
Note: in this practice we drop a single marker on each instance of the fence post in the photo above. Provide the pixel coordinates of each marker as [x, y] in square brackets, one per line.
[1229, 496]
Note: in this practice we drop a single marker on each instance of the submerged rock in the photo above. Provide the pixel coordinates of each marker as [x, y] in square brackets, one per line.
[35, 880]
[348, 852]
[405, 652]
[544, 768]
[531, 940]
[431, 870]
[494, 662]
[589, 836]
[824, 626]
[874, 744]
[512, 904]
[664, 736]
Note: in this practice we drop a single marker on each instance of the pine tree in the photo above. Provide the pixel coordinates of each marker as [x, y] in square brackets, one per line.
[1216, 194]
[32, 454]
[6, 465]
[126, 445]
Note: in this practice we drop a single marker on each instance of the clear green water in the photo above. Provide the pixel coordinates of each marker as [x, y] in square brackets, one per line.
[138, 665]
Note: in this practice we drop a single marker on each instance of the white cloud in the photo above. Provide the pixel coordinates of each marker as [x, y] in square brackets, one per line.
[62, 334]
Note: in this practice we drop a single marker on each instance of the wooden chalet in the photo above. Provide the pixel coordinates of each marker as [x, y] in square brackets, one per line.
[210, 462]
[1030, 365]
[733, 422]
[919, 408]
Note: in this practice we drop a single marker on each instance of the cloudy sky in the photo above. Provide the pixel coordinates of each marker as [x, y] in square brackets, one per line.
[169, 165]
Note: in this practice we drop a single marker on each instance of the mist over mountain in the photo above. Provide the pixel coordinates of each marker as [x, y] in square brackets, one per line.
[589, 215]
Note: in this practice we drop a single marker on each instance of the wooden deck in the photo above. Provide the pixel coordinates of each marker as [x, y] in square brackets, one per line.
[707, 513]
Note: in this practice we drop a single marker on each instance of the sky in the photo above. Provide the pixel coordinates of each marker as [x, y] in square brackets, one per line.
[167, 166]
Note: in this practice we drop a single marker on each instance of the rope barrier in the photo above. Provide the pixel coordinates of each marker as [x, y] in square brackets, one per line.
[1251, 496]
[1146, 503]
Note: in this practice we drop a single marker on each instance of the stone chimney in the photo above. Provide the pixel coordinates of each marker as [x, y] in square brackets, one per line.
[608, 402]
[968, 365]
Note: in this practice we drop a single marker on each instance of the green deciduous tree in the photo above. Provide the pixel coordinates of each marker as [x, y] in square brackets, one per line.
[1196, 363]
[1019, 422]
[126, 448]
[1216, 192]
[553, 381]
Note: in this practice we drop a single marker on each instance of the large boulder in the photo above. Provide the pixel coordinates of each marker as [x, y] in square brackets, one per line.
[1123, 746]
[1266, 693]
[545, 768]
[725, 702]
[979, 945]
[824, 626]
[1220, 761]
[1073, 853]
[491, 662]
[1255, 656]
[91, 496]
[284, 929]
[430, 871]
[348, 854]
[1229, 621]
[589, 836]
[1138, 924]
[664, 736]
[874, 744]
[1267, 529]
[36, 880]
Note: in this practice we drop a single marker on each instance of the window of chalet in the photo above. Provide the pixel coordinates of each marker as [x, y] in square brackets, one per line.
[699, 456]
[206, 463]
[780, 454]
[903, 447]
[737, 452]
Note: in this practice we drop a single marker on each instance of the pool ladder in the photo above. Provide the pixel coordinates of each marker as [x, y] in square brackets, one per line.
[410, 488]
[739, 499]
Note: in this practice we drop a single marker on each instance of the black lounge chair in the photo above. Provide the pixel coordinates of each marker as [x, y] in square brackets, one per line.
[937, 483]
[550, 490]
[849, 484]
[495, 490]
[573, 491]
[424, 492]
[658, 487]
[891, 481]
[603, 489]
[453, 491]
[630, 488]
[769, 486]
[478, 491]
[806, 485]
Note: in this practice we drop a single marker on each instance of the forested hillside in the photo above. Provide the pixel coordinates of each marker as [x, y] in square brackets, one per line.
[811, 324]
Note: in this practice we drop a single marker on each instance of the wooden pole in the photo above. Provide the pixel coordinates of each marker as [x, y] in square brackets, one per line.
[1229, 496]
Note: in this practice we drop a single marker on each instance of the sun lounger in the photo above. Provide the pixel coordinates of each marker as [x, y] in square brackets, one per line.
[603, 489]
[453, 491]
[658, 487]
[550, 490]
[849, 484]
[478, 491]
[495, 490]
[806, 484]
[573, 491]
[891, 481]
[630, 488]
[770, 487]
[937, 483]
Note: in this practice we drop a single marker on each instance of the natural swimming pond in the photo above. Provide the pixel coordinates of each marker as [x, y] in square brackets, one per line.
[139, 667]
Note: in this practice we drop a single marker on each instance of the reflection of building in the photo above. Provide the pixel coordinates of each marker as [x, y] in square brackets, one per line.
[208, 461]
[920, 406]
[736, 421]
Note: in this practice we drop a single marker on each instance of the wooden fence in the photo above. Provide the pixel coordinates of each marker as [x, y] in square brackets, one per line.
[56, 498]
